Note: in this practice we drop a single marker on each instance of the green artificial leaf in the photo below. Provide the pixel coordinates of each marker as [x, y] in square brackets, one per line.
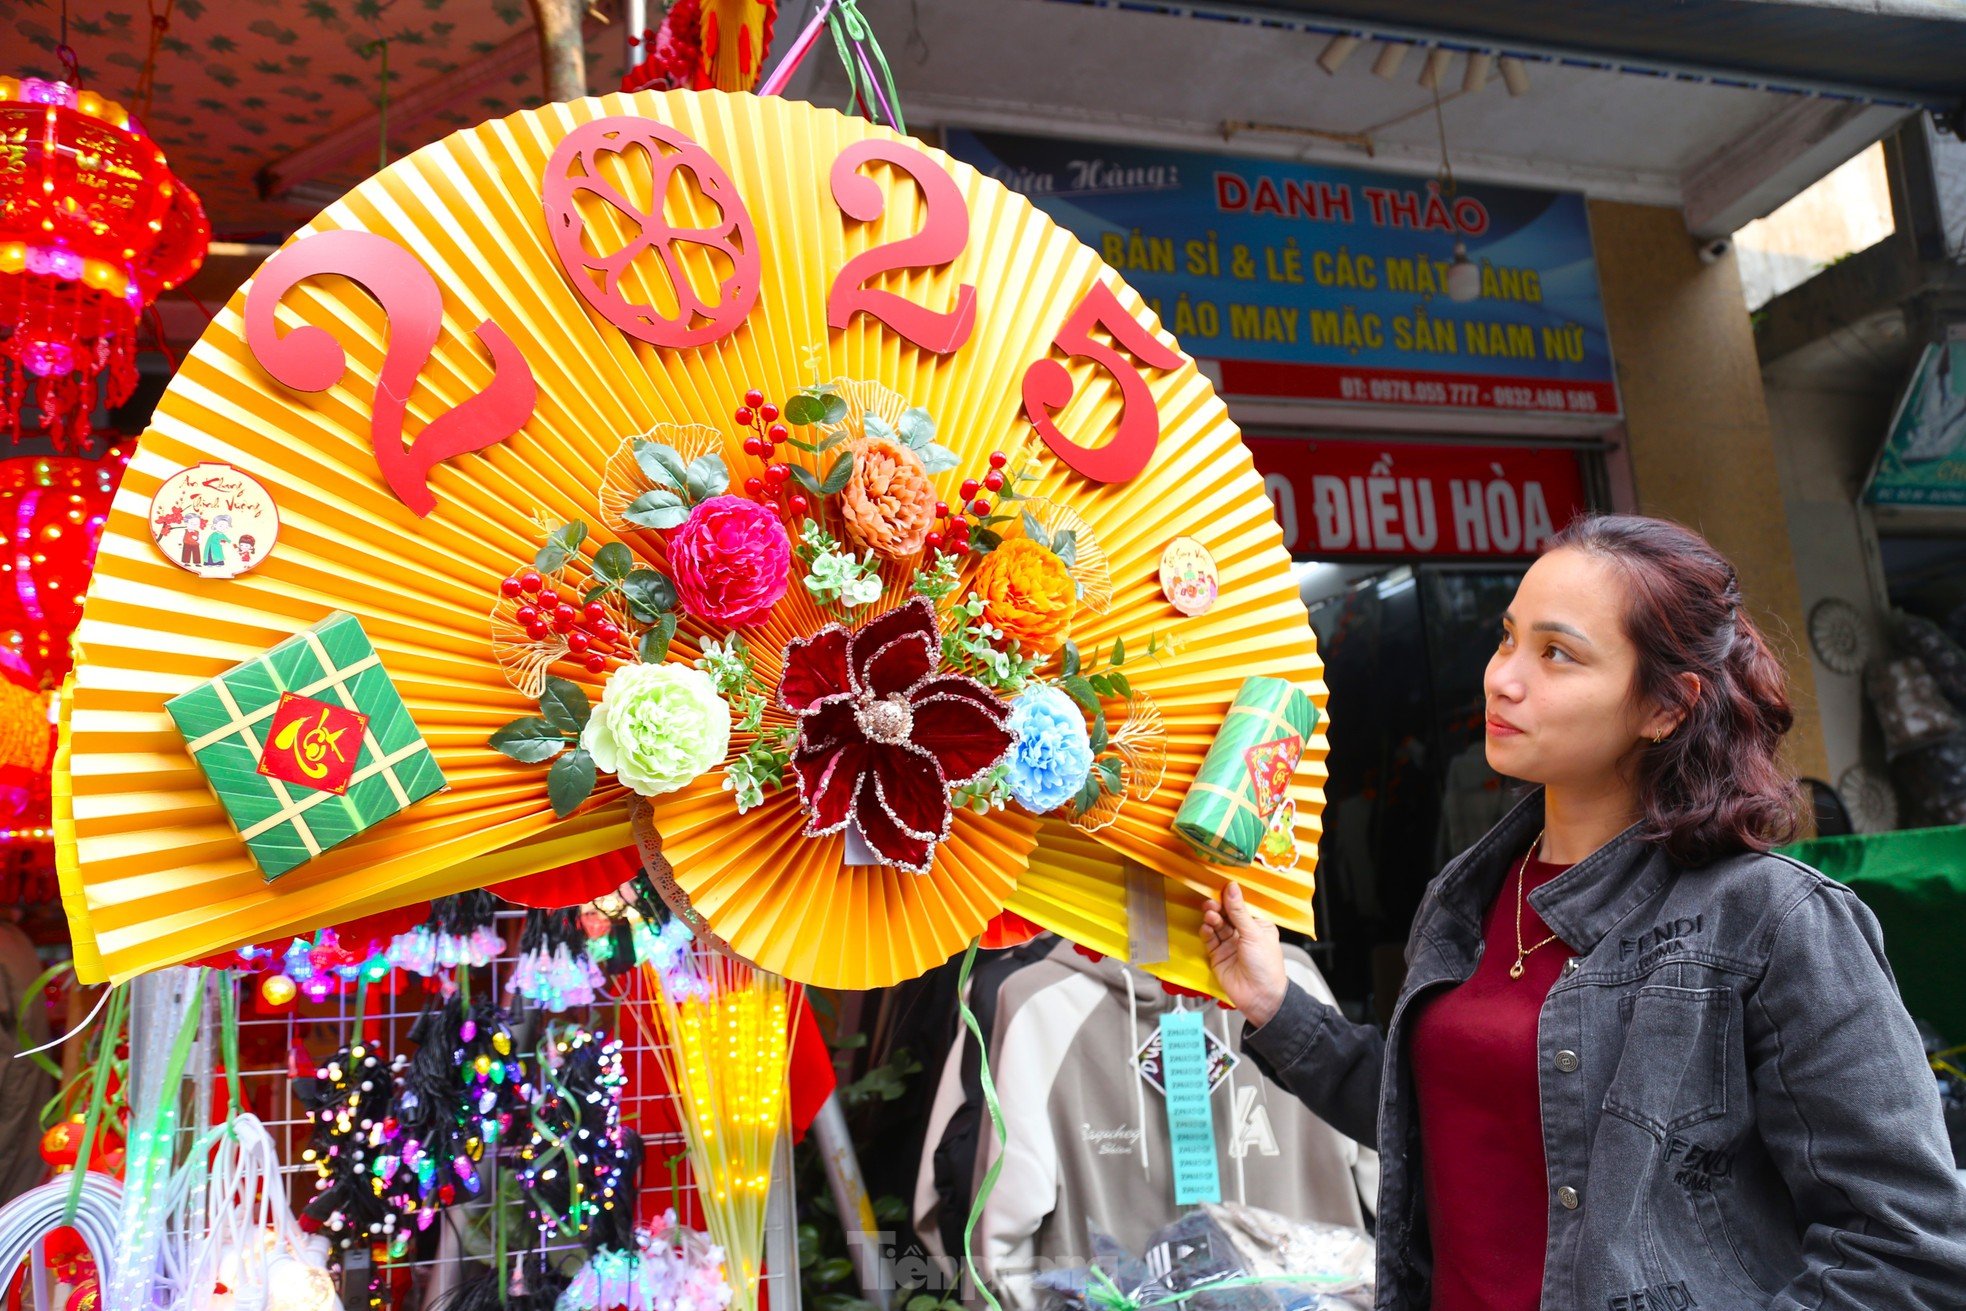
[984, 540]
[1080, 689]
[1088, 795]
[1119, 652]
[836, 477]
[803, 476]
[1068, 654]
[649, 595]
[569, 536]
[808, 1245]
[873, 425]
[1109, 768]
[836, 407]
[833, 441]
[842, 1302]
[937, 459]
[1066, 546]
[917, 427]
[655, 642]
[999, 518]
[1034, 531]
[706, 477]
[529, 741]
[564, 705]
[805, 410]
[661, 465]
[1100, 684]
[832, 1270]
[661, 508]
[613, 561]
[1120, 685]
[596, 592]
[570, 782]
[807, 447]
[550, 559]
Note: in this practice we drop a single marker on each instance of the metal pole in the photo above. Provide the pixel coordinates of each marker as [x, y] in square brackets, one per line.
[782, 1232]
[856, 1211]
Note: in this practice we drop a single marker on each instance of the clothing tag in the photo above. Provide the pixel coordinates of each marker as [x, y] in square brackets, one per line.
[1190, 1122]
[1222, 1059]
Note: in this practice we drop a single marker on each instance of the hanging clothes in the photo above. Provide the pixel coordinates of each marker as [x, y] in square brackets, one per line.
[1087, 1136]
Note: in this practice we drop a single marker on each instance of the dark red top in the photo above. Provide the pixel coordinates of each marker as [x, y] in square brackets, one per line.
[1481, 1122]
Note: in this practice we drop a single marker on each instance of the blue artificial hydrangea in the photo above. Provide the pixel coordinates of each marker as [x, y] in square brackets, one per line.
[1053, 754]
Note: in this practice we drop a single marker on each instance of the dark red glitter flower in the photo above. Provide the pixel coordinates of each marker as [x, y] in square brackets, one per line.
[883, 735]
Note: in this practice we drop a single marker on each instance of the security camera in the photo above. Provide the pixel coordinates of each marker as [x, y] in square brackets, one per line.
[1715, 249]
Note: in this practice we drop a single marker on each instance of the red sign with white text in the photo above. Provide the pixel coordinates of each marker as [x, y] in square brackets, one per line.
[1342, 498]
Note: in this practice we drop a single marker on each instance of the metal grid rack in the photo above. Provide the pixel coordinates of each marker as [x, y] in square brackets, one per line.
[279, 1046]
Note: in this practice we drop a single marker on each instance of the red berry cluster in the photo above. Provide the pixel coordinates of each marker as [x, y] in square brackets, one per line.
[954, 536]
[767, 434]
[542, 610]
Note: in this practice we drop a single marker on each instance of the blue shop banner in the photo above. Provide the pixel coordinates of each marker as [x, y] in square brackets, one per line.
[1316, 282]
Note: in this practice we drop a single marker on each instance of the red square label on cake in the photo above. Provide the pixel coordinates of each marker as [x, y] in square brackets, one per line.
[313, 743]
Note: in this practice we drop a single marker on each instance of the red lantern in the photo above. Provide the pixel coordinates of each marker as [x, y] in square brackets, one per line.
[61, 1146]
[93, 224]
[52, 512]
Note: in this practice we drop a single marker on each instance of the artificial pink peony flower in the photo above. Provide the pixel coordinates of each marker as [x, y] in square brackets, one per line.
[730, 561]
[883, 736]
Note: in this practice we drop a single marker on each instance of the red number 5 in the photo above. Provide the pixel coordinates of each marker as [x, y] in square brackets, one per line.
[1048, 389]
[945, 231]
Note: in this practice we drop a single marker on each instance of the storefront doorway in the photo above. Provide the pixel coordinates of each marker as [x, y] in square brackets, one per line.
[1408, 553]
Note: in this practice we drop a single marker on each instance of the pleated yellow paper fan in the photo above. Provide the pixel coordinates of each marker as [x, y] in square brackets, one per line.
[156, 872]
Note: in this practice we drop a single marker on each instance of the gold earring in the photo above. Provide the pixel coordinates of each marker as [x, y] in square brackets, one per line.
[1658, 738]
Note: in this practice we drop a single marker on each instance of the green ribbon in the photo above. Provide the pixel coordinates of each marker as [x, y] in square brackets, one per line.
[106, 1063]
[228, 1032]
[868, 78]
[32, 998]
[996, 1123]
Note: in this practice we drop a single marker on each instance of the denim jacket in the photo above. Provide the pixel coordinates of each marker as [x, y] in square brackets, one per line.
[1737, 1112]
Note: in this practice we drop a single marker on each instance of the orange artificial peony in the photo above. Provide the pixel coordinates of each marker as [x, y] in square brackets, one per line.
[889, 504]
[1028, 594]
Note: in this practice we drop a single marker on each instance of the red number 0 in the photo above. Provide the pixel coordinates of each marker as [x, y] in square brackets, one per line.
[1048, 389]
[310, 359]
[945, 231]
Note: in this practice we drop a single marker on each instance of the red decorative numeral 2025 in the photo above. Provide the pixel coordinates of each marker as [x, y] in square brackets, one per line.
[310, 359]
[945, 231]
[1048, 388]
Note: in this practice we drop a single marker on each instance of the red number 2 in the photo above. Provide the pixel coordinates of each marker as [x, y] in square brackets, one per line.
[1048, 389]
[310, 359]
[945, 231]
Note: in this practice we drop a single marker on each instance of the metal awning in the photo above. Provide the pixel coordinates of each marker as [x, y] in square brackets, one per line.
[1912, 51]
[1722, 108]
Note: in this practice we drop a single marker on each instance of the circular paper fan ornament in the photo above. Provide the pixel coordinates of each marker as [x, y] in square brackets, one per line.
[536, 369]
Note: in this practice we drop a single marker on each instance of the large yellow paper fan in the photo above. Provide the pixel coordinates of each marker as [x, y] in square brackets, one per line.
[154, 870]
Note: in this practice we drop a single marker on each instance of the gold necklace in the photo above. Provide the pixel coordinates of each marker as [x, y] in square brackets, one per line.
[1522, 895]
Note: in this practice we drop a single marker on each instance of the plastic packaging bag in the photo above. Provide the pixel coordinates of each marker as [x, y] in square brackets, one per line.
[1222, 1258]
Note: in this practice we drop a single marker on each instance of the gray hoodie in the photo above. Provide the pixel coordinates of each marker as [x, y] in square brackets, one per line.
[1088, 1136]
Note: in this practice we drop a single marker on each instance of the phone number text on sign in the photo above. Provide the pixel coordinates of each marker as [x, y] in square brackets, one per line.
[1392, 387]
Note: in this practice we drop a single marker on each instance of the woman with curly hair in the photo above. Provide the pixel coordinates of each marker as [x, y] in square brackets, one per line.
[1638, 1063]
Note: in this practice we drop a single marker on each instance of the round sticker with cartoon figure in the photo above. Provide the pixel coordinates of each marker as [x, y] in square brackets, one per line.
[214, 520]
[1187, 576]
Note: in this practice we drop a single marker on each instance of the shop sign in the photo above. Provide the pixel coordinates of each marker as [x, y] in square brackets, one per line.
[1339, 498]
[1323, 283]
[1923, 461]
